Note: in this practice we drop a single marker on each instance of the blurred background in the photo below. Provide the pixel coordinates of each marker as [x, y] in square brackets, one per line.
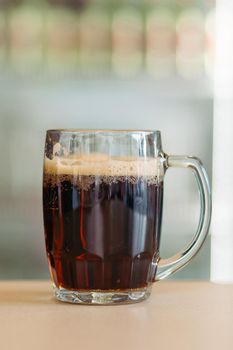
[101, 64]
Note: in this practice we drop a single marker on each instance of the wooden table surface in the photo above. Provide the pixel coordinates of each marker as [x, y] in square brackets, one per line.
[178, 315]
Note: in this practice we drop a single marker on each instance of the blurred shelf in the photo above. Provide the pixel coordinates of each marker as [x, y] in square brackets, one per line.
[168, 88]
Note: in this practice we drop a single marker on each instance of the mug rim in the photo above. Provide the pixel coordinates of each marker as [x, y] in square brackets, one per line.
[92, 131]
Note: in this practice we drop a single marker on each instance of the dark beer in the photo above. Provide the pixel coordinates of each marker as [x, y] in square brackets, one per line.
[102, 231]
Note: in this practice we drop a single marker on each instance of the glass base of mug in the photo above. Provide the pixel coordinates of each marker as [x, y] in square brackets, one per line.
[102, 297]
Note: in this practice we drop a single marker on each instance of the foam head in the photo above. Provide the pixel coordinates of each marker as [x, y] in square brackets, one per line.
[102, 165]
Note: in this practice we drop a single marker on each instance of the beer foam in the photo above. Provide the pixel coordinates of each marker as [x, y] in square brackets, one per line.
[102, 165]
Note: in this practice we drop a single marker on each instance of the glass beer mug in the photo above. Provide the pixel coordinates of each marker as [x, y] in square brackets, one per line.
[103, 201]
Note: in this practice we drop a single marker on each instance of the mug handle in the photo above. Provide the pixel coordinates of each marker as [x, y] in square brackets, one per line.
[168, 266]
